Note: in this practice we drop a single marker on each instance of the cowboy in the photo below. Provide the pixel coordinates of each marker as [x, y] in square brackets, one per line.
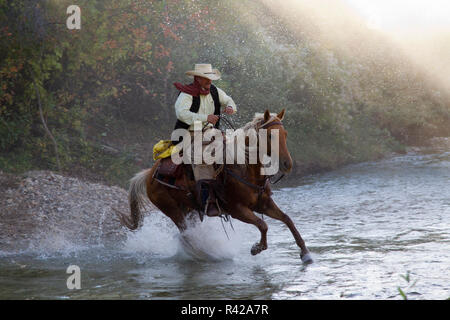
[200, 103]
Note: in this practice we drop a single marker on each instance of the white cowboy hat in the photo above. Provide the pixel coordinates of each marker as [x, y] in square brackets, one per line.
[205, 71]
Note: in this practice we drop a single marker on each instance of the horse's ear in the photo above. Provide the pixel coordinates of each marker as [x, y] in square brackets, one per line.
[281, 114]
[266, 116]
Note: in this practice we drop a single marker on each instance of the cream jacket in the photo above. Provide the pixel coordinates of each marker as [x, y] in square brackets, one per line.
[184, 102]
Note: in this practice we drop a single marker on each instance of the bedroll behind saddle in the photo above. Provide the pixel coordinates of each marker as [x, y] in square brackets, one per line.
[163, 149]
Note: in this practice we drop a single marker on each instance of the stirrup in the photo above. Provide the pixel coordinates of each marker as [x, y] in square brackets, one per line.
[217, 208]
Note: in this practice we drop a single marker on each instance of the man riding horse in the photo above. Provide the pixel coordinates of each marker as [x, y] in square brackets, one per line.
[247, 189]
[200, 103]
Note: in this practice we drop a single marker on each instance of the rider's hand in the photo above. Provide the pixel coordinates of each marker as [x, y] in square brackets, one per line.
[229, 110]
[212, 118]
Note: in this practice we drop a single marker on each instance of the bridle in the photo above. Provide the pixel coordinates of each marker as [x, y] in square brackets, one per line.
[269, 124]
[260, 188]
[265, 126]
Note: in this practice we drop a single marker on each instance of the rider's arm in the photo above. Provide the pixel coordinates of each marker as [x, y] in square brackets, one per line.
[226, 100]
[182, 106]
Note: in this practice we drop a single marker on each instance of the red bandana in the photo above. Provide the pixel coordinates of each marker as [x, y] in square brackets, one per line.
[194, 89]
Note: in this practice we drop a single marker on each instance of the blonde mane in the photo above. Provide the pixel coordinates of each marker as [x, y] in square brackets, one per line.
[243, 131]
[257, 118]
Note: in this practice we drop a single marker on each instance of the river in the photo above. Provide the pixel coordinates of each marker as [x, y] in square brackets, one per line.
[367, 225]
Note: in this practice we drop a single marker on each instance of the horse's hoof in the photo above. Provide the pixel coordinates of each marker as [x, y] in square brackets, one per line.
[306, 258]
[257, 248]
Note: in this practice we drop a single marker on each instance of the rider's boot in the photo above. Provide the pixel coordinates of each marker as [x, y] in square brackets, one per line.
[207, 198]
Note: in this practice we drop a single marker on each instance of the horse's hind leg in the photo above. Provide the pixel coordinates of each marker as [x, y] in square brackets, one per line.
[162, 200]
[272, 210]
[246, 215]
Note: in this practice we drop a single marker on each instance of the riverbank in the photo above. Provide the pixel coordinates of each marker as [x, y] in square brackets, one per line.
[45, 209]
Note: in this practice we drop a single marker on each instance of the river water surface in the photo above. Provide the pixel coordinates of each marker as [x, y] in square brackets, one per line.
[367, 225]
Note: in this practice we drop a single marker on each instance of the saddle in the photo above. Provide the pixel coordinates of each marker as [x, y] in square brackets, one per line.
[171, 175]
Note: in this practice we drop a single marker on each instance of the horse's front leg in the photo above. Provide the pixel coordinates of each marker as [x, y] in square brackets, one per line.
[246, 215]
[271, 209]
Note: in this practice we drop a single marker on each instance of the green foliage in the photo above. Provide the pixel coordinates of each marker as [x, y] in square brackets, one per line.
[404, 292]
[110, 83]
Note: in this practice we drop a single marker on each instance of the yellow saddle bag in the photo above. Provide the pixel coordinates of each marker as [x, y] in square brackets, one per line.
[163, 149]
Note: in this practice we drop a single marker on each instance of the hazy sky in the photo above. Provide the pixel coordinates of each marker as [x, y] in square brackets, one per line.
[391, 15]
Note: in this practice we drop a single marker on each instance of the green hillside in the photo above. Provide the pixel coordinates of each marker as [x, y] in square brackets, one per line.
[105, 91]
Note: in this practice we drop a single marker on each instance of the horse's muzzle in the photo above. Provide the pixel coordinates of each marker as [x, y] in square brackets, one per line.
[286, 166]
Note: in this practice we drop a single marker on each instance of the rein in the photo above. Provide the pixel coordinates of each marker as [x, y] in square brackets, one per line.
[260, 189]
[221, 116]
[281, 177]
[227, 121]
[269, 124]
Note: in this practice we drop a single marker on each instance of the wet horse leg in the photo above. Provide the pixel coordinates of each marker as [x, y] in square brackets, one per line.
[162, 200]
[246, 215]
[272, 210]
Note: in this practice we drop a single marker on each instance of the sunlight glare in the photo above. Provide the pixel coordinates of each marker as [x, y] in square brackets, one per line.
[402, 15]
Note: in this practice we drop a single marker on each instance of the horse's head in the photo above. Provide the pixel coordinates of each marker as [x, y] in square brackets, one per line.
[270, 123]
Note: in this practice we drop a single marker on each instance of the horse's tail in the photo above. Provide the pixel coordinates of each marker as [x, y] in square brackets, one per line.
[137, 198]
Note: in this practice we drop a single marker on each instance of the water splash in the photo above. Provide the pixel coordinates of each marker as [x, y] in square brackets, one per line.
[201, 241]
[157, 237]
[208, 241]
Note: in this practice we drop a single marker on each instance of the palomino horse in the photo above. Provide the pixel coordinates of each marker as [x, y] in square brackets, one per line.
[246, 191]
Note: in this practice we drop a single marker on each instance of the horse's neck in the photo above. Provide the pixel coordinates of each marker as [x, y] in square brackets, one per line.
[254, 172]
[251, 171]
